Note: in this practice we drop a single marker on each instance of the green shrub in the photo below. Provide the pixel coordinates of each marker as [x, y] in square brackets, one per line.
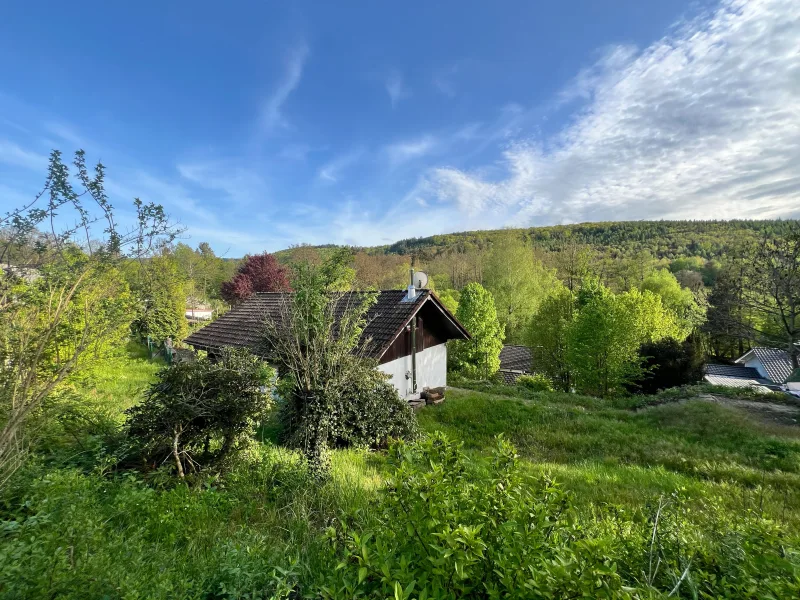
[367, 413]
[536, 382]
[446, 531]
[199, 413]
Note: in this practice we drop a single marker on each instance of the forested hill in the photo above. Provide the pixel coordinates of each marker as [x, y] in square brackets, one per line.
[662, 239]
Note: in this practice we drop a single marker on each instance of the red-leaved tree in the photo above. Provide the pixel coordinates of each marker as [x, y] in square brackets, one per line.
[258, 273]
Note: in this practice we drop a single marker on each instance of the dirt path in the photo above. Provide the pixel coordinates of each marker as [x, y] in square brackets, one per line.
[769, 412]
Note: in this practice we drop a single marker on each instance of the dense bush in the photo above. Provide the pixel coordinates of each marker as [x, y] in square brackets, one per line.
[448, 528]
[367, 412]
[668, 363]
[536, 382]
[446, 532]
[199, 412]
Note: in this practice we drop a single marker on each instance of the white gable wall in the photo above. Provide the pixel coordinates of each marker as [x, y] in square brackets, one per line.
[431, 370]
[754, 363]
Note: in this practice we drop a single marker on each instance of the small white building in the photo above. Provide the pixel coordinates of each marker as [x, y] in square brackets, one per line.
[406, 333]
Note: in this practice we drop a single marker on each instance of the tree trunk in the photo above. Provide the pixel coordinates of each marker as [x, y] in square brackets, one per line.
[175, 452]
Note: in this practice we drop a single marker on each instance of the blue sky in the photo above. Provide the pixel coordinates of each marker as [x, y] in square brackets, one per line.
[259, 125]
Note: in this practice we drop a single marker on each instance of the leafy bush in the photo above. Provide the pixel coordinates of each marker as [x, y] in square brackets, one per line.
[669, 363]
[536, 382]
[449, 527]
[199, 412]
[447, 532]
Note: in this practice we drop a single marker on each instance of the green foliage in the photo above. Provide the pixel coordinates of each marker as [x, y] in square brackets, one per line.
[536, 382]
[199, 413]
[370, 412]
[479, 356]
[328, 386]
[669, 363]
[518, 282]
[604, 339]
[161, 291]
[446, 532]
[450, 300]
[548, 336]
[204, 271]
[680, 301]
[450, 528]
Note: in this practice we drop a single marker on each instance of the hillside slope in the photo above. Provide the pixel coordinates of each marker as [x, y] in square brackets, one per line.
[663, 239]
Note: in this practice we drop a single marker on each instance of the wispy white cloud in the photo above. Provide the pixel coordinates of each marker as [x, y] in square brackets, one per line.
[238, 183]
[406, 150]
[702, 124]
[127, 184]
[396, 88]
[331, 172]
[16, 156]
[272, 111]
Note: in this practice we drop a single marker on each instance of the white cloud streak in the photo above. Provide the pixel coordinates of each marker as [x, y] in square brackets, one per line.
[272, 111]
[396, 88]
[406, 150]
[702, 124]
[332, 171]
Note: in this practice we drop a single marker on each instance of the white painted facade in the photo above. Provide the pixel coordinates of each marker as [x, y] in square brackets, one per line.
[756, 364]
[431, 371]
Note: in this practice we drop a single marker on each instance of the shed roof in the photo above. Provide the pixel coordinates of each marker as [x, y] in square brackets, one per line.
[516, 358]
[243, 325]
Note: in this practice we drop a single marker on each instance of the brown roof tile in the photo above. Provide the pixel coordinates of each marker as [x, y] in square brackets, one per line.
[243, 325]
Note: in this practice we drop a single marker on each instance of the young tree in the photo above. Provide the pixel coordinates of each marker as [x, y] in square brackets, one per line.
[67, 298]
[317, 343]
[772, 291]
[258, 273]
[479, 356]
[688, 312]
[604, 340]
[548, 337]
[518, 282]
[160, 288]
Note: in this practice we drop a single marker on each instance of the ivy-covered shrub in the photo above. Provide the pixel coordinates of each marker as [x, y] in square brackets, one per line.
[198, 413]
[368, 412]
[536, 382]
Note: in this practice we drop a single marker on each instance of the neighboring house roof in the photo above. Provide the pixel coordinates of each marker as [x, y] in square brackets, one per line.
[776, 362]
[509, 377]
[516, 358]
[243, 326]
[735, 376]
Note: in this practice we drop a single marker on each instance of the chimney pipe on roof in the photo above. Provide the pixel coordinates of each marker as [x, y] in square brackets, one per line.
[412, 291]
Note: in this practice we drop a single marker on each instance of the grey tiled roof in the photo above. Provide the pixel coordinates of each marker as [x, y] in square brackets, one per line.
[516, 358]
[776, 362]
[739, 371]
[735, 376]
[243, 326]
[509, 377]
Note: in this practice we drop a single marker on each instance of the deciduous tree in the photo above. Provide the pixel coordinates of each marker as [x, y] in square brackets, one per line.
[258, 273]
[480, 355]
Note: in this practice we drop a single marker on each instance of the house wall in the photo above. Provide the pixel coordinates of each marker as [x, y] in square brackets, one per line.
[431, 370]
[756, 364]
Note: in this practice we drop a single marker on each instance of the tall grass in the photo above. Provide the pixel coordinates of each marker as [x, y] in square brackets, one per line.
[69, 529]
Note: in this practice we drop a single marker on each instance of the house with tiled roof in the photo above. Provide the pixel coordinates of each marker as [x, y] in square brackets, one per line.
[760, 367]
[397, 318]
